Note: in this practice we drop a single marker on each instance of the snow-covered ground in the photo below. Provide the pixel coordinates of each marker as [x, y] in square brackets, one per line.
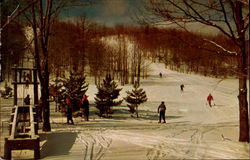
[193, 130]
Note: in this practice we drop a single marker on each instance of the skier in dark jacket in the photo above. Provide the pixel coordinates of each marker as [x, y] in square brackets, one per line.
[85, 107]
[160, 75]
[209, 99]
[161, 110]
[182, 86]
[69, 111]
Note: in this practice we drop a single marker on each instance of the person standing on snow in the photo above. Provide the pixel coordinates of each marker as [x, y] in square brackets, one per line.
[182, 86]
[85, 107]
[161, 110]
[69, 111]
[160, 75]
[209, 99]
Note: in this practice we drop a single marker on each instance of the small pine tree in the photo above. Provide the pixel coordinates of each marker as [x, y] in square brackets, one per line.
[55, 93]
[75, 87]
[107, 93]
[135, 98]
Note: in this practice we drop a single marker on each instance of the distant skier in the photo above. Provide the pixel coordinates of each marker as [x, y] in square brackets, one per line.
[182, 86]
[85, 107]
[209, 99]
[69, 111]
[27, 100]
[161, 110]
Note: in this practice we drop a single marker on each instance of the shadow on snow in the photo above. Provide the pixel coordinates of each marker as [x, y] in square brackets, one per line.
[58, 143]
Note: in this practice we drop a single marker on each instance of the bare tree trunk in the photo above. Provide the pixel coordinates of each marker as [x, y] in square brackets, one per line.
[136, 107]
[243, 105]
[45, 100]
[139, 67]
[133, 67]
[43, 70]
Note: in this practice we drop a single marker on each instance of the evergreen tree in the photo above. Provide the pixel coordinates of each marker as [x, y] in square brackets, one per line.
[74, 87]
[56, 93]
[107, 93]
[135, 98]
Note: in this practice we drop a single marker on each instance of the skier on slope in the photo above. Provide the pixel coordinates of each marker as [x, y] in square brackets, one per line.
[160, 75]
[182, 86]
[69, 111]
[209, 99]
[85, 107]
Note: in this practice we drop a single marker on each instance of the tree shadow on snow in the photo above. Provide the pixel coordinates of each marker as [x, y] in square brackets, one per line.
[169, 83]
[154, 116]
[123, 114]
[57, 143]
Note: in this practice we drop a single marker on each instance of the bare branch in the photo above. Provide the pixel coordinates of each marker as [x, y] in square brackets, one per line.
[201, 19]
[226, 20]
[18, 13]
[209, 7]
[246, 19]
[219, 46]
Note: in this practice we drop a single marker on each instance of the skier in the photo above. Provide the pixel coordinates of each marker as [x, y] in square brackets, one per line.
[160, 75]
[161, 110]
[27, 100]
[182, 86]
[85, 107]
[209, 99]
[69, 111]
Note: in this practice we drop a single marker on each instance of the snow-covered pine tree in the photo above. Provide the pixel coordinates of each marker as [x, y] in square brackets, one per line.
[135, 98]
[107, 93]
[75, 87]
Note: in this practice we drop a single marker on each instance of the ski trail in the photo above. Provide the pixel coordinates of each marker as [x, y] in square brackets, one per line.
[95, 146]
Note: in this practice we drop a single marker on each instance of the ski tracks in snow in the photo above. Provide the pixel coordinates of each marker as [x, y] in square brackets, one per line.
[177, 145]
[94, 147]
[91, 144]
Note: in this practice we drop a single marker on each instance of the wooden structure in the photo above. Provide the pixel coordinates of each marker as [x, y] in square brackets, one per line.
[23, 126]
[23, 131]
[25, 76]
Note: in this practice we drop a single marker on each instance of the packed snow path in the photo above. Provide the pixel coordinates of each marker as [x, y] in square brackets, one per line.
[193, 129]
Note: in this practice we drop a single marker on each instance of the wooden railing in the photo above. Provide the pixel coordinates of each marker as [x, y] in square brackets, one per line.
[23, 131]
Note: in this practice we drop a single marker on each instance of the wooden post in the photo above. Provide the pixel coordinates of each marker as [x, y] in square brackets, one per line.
[37, 149]
[35, 86]
[7, 150]
[36, 103]
[20, 76]
[15, 85]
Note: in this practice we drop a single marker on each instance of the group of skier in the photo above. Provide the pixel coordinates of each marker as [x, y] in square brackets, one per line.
[162, 107]
[84, 108]
[209, 97]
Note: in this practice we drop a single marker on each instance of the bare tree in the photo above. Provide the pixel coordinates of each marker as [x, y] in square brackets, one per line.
[230, 17]
[84, 23]
[42, 15]
[122, 57]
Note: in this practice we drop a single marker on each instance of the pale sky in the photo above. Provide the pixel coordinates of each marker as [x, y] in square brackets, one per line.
[110, 12]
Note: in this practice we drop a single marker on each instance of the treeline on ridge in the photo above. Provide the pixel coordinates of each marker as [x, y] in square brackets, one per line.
[81, 45]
